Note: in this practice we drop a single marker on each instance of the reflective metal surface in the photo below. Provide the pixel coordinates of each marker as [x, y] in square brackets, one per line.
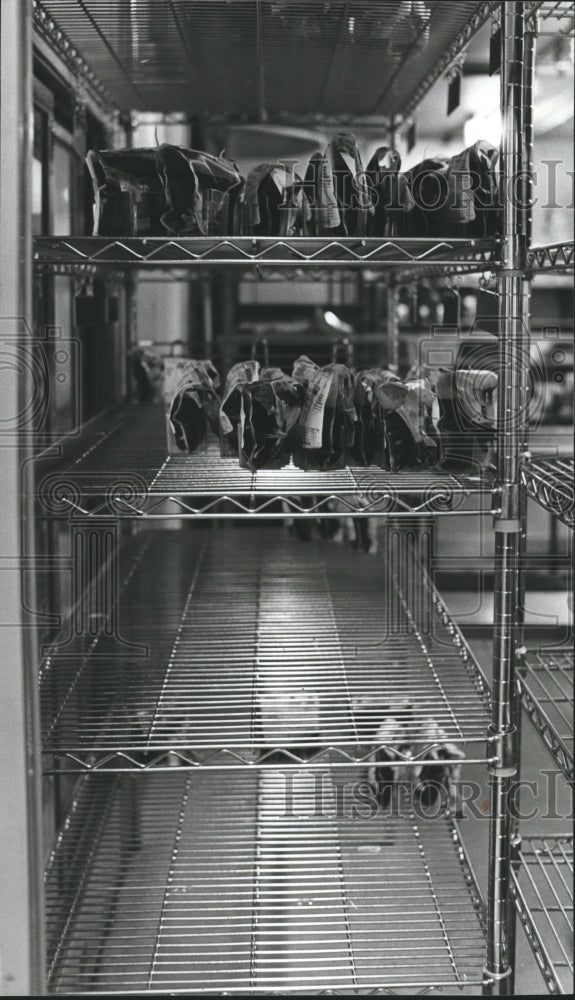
[120, 468]
[228, 883]
[543, 893]
[251, 642]
[246, 251]
[274, 59]
[511, 434]
[549, 481]
[546, 683]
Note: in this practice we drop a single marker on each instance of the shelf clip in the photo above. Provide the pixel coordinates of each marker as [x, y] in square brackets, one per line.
[493, 978]
[504, 745]
[505, 508]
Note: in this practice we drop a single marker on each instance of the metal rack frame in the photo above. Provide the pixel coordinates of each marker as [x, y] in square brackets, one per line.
[514, 262]
[542, 889]
[549, 481]
[58, 42]
[531, 690]
[556, 257]
[546, 685]
[551, 11]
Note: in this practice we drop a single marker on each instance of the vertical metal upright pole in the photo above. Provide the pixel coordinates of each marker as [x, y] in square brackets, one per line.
[512, 399]
[525, 222]
[527, 195]
[21, 912]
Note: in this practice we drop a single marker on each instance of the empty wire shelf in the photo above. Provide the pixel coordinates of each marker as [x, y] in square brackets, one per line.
[542, 886]
[550, 482]
[231, 645]
[121, 469]
[546, 683]
[235, 883]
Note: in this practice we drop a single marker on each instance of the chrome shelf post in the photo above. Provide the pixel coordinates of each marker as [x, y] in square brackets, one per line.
[512, 406]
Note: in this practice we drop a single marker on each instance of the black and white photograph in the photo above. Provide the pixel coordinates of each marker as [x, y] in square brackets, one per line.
[286, 497]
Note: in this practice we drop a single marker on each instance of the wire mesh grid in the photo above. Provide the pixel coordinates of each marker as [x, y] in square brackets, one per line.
[221, 59]
[252, 644]
[546, 681]
[550, 482]
[122, 469]
[543, 889]
[231, 883]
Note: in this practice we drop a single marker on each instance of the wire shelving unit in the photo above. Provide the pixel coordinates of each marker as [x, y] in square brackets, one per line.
[144, 864]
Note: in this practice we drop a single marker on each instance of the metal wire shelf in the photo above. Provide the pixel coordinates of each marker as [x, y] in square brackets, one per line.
[549, 481]
[251, 888]
[560, 14]
[542, 887]
[121, 469]
[354, 58]
[555, 256]
[247, 251]
[47, 29]
[546, 684]
[252, 646]
[551, 9]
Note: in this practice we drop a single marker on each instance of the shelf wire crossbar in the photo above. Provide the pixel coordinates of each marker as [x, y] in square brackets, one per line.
[546, 683]
[250, 891]
[542, 887]
[308, 670]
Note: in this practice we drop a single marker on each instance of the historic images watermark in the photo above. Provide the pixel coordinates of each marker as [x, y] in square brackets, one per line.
[322, 794]
[435, 188]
